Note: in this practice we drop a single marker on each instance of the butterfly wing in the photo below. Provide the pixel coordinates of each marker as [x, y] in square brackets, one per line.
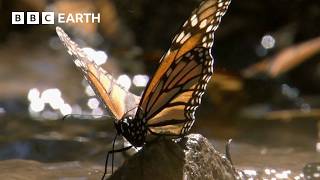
[174, 93]
[114, 97]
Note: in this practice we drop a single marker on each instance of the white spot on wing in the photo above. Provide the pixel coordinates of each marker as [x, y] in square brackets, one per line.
[180, 37]
[209, 28]
[185, 38]
[194, 20]
[203, 23]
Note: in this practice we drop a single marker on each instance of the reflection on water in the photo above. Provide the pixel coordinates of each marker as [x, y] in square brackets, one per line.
[125, 81]
[271, 174]
[89, 91]
[93, 103]
[52, 97]
[268, 41]
[99, 57]
[50, 105]
[140, 80]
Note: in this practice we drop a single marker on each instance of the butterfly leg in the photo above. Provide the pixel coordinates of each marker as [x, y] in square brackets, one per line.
[106, 163]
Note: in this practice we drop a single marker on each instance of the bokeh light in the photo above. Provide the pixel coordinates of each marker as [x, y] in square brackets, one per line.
[65, 109]
[93, 103]
[268, 41]
[289, 91]
[33, 94]
[140, 80]
[36, 105]
[97, 113]
[125, 81]
[99, 57]
[52, 97]
[89, 91]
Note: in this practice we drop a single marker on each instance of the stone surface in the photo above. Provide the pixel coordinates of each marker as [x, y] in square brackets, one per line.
[192, 157]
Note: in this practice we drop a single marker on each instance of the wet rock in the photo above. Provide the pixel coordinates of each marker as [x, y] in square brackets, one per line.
[192, 157]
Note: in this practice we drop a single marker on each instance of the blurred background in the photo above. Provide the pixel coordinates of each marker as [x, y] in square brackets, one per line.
[264, 94]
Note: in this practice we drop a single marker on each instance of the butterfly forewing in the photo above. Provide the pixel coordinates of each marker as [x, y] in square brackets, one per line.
[174, 93]
[114, 97]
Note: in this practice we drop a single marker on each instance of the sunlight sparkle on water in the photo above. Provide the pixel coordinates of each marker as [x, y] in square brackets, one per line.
[281, 175]
[316, 175]
[97, 112]
[99, 57]
[125, 81]
[268, 41]
[267, 171]
[289, 91]
[51, 96]
[33, 94]
[2, 110]
[56, 103]
[89, 91]
[76, 109]
[93, 103]
[65, 109]
[250, 172]
[318, 147]
[297, 177]
[36, 105]
[50, 115]
[140, 80]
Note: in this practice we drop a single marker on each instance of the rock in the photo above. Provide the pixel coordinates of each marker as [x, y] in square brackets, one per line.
[192, 157]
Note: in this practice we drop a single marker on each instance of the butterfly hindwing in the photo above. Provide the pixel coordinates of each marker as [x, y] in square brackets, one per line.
[168, 104]
[114, 97]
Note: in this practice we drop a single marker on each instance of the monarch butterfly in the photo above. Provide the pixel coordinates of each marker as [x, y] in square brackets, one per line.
[168, 104]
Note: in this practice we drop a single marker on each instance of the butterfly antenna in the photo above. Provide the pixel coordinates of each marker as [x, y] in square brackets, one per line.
[66, 116]
[228, 154]
[87, 116]
[140, 108]
[126, 113]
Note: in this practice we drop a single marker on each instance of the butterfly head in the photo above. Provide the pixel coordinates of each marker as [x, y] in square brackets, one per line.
[132, 129]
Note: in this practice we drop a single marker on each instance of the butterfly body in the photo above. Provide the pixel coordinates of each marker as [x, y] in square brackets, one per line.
[134, 130]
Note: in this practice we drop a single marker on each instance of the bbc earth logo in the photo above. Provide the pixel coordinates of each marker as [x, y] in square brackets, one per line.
[53, 18]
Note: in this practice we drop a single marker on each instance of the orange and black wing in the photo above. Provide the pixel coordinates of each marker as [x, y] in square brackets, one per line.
[114, 97]
[174, 93]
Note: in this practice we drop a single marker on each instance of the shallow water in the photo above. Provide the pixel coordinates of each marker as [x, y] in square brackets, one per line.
[76, 149]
